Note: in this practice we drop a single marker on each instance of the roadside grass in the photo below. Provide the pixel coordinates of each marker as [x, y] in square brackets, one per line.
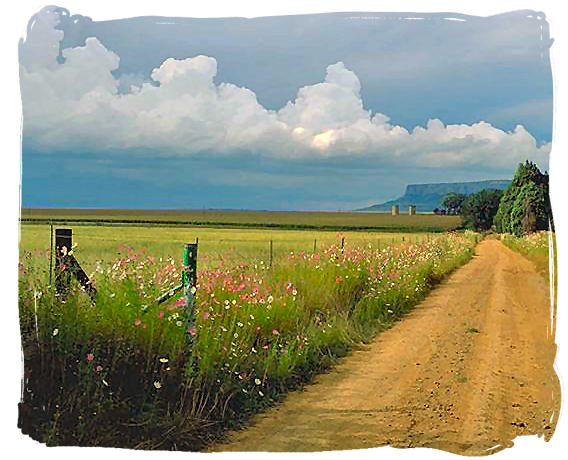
[119, 373]
[535, 247]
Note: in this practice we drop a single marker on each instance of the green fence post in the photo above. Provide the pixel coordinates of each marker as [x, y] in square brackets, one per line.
[315, 246]
[189, 281]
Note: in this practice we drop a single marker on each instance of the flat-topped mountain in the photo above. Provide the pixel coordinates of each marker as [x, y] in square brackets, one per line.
[426, 197]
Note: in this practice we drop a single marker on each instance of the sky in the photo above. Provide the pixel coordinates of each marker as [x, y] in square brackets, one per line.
[326, 112]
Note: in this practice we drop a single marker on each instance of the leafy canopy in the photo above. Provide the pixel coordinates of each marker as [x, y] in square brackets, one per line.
[525, 206]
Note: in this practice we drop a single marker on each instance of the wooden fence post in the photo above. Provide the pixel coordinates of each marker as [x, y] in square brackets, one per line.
[342, 244]
[50, 251]
[315, 246]
[63, 244]
[189, 280]
[67, 266]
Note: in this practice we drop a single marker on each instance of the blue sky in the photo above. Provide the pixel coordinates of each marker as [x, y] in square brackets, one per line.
[331, 111]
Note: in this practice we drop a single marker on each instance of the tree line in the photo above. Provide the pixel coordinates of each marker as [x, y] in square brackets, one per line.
[524, 207]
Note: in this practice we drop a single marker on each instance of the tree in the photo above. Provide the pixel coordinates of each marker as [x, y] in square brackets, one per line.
[525, 206]
[453, 202]
[479, 209]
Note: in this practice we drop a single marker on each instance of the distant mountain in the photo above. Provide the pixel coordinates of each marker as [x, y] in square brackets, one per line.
[426, 197]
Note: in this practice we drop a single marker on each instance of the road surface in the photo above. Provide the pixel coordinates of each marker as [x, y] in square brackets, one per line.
[467, 371]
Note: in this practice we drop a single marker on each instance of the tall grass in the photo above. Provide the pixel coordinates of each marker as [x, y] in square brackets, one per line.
[119, 373]
[534, 246]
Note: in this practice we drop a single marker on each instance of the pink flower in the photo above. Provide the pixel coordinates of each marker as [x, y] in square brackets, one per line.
[90, 357]
[137, 322]
[338, 279]
[161, 314]
[193, 330]
[205, 315]
[181, 302]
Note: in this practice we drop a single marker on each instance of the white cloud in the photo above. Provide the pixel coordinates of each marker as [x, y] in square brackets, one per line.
[76, 105]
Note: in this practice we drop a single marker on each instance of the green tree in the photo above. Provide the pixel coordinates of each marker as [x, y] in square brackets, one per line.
[525, 206]
[453, 202]
[479, 209]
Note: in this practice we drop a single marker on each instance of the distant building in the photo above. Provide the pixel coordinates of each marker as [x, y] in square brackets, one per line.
[395, 209]
[412, 210]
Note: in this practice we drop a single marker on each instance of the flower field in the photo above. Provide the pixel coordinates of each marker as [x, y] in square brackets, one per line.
[121, 372]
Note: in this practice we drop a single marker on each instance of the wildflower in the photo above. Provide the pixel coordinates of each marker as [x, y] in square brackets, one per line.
[105, 383]
[275, 332]
[161, 314]
[205, 315]
[193, 330]
[157, 385]
[260, 393]
[137, 322]
[257, 381]
[270, 299]
[163, 360]
[90, 357]
[99, 368]
[181, 302]
[55, 332]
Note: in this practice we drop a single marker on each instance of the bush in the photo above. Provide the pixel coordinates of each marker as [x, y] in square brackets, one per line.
[480, 208]
[525, 206]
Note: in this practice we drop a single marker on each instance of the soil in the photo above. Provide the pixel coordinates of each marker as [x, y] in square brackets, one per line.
[467, 371]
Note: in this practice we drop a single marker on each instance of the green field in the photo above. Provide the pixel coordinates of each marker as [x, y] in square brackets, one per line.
[106, 243]
[315, 220]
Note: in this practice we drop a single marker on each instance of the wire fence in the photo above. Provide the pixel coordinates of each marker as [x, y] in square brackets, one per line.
[97, 245]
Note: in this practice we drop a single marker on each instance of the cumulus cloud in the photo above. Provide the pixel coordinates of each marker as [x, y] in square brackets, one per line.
[73, 102]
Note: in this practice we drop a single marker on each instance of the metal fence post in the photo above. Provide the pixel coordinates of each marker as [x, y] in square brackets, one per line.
[189, 280]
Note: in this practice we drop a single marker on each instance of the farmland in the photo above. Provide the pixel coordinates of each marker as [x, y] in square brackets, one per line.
[312, 220]
[260, 331]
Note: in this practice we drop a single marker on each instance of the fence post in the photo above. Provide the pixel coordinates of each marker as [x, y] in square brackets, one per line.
[63, 244]
[342, 244]
[189, 280]
[50, 251]
[315, 246]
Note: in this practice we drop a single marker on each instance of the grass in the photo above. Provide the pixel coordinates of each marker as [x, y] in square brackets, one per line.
[535, 247]
[308, 220]
[121, 374]
[96, 244]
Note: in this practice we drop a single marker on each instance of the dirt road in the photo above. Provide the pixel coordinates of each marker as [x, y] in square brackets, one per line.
[470, 369]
